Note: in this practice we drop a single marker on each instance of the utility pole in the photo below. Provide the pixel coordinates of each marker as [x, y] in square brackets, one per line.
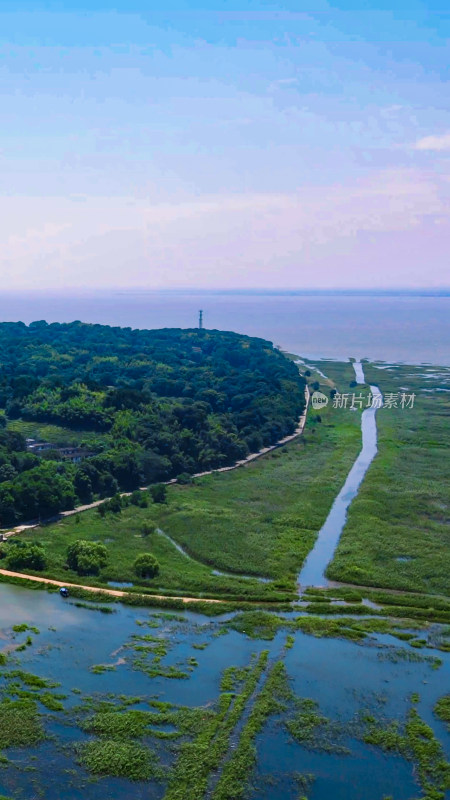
[200, 320]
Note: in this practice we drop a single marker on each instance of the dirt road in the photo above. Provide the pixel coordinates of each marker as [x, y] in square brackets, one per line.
[113, 592]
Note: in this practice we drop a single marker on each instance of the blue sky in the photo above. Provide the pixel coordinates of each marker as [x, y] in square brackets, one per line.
[224, 144]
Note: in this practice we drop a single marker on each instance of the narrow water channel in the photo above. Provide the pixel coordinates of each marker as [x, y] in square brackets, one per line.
[313, 571]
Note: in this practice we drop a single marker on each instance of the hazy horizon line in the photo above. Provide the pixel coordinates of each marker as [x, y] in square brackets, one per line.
[399, 291]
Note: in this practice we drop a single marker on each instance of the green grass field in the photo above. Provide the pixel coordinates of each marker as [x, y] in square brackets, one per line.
[264, 519]
[260, 520]
[122, 536]
[397, 534]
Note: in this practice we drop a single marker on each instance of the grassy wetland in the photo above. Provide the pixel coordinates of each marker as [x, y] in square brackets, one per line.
[397, 533]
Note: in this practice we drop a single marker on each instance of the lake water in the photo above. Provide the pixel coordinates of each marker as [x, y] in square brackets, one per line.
[344, 678]
[413, 329]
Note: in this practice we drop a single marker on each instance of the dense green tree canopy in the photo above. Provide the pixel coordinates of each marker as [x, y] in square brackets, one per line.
[155, 403]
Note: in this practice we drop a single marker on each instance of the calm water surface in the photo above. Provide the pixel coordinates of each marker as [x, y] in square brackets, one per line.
[395, 328]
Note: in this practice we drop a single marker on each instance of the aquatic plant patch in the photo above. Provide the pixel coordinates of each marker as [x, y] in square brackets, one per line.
[34, 681]
[147, 653]
[312, 730]
[264, 625]
[20, 724]
[442, 709]
[119, 759]
[131, 724]
[22, 627]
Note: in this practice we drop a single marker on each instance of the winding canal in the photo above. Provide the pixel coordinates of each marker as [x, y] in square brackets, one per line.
[313, 571]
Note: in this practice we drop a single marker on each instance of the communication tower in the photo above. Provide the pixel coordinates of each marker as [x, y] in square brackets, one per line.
[200, 320]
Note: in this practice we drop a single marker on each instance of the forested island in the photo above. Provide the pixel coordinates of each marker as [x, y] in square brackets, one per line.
[147, 406]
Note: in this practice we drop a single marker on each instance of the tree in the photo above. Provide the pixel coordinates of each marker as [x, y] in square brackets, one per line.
[115, 504]
[153, 467]
[125, 468]
[86, 558]
[158, 493]
[26, 555]
[8, 512]
[42, 491]
[83, 487]
[184, 478]
[51, 455]
[147, 528]
[146, 566]
[7, 473]
[139, 498]
[107, 485]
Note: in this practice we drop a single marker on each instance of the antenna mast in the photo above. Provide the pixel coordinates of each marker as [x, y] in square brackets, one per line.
[200, 320]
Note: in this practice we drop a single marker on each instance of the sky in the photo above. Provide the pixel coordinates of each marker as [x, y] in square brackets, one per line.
[224, 144]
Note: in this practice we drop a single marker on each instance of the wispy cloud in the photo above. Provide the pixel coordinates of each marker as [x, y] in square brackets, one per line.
[438, 143]
[282, 83]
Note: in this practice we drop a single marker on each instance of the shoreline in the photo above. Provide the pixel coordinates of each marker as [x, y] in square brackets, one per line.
[23, 576]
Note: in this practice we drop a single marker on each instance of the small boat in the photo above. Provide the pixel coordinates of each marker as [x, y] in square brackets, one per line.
[64, 592]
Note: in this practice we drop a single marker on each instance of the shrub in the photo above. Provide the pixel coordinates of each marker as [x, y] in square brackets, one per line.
[139, 498]
[86, 558]
[147, 528]
[26, 555]
[158, 493]
[184, 478]
[115, 504]
[146, 566]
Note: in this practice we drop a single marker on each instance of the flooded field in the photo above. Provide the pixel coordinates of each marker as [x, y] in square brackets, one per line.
[100, 666]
